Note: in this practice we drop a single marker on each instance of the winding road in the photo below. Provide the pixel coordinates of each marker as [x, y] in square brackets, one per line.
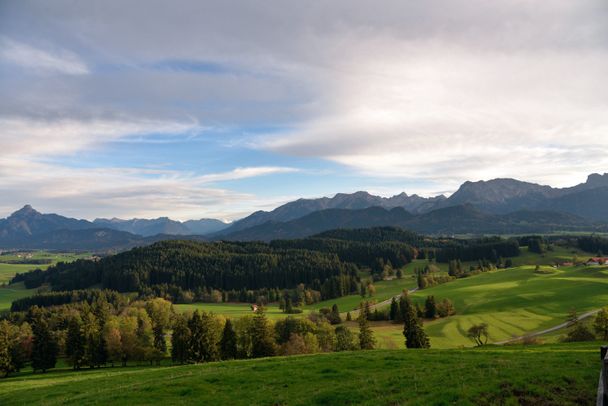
[549, 330]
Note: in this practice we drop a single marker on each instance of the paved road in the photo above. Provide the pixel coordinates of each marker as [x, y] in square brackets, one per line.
[549, 330]
[355, 313]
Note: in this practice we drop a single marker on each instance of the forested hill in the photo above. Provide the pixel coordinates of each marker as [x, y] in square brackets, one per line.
[176, 269]
[320, 267]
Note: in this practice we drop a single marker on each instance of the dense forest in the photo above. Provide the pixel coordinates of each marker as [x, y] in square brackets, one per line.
[188, 266]
[594, 244]
[307, 270]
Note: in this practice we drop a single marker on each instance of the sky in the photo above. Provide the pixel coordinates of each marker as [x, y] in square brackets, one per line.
[215, 109]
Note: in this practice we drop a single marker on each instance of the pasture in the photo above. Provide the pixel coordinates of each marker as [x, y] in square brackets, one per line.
[486, 376]
[513, 302]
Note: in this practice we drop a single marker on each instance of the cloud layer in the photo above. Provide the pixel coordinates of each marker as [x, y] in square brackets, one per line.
[419, 94]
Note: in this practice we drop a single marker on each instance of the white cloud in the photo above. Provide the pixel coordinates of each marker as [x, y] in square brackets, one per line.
[38, 137]
[41, 60]
[112, 191]
[434, 91]
[125, 192]
[431, 110]
[243, 173]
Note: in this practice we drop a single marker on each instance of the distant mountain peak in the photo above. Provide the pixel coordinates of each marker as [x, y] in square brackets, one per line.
[597, 180]
[26, 210]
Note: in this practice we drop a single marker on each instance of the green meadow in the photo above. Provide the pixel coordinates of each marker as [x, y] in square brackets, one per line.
[232, 310]
[8, 270]
[507, 375]
[513, 302]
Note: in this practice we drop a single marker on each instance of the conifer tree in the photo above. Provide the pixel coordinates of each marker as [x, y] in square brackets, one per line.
[288, 306]
[75, 343]
[430, 307]
[334, 316]
[228, 347]
[44, 348]
[366, 336]
[159, 339]
[262, 336]
[394, 309]
[414, 334]
[209, 338]
[600, 324]
[196, 352]
[180, 341]
[344, 339]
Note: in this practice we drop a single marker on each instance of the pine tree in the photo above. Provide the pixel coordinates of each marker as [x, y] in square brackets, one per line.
[180, 341]
[366, 336]
[404, 304]
[160, 344]
[210, 338]
[414, 334]
[600, 324]
[288, 306]
[228, 347]
[75, 343]
[430, 307]
[344, 339]
[262, 337]
[196, 352]
[394, 309]
[44, 349]
[334, 316]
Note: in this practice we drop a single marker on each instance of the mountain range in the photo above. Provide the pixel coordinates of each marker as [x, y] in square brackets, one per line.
[162, 225]
[498, 206]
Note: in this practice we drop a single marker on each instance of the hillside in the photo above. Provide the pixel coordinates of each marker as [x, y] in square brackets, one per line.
[489, 376]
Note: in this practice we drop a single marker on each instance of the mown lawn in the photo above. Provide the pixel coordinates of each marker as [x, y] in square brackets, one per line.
[548, 375]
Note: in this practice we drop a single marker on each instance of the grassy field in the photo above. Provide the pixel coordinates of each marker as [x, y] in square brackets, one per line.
[8, 270]
[512, 302]
[384, 289]
[488, 376]
[557, 254]
[13, 292]
[232, 310]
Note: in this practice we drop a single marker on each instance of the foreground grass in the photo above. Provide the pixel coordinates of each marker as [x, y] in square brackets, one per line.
[548, 375]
